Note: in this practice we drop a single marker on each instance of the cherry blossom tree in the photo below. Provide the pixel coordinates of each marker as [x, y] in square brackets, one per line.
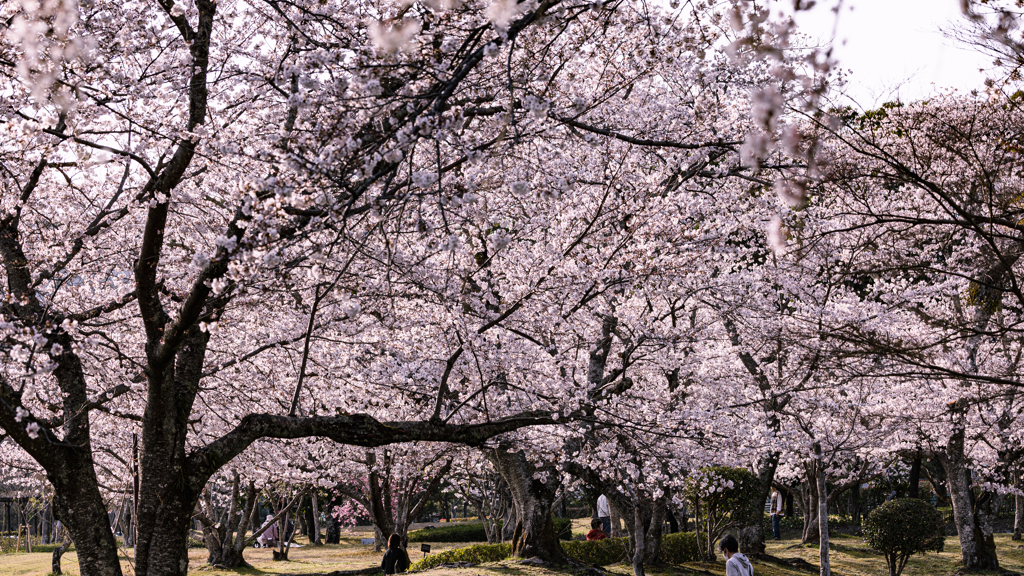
[921, 195]
[202, 204]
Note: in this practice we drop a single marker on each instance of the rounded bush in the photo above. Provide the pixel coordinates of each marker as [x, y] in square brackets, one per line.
[679, 548]
[903, 527]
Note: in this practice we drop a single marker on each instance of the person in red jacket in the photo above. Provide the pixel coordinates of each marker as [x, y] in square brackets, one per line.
[596, 533]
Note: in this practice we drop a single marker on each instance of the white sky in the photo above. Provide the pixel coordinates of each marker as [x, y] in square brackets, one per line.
[894, 48]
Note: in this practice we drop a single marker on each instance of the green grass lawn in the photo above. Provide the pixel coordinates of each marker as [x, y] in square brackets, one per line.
[849, 557]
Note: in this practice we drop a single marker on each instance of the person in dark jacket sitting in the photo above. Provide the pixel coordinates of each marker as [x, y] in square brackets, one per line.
[395, 559]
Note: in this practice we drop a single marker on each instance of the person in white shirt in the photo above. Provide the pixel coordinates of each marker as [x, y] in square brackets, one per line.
[736, 564]
[776, 510]
[604, 514]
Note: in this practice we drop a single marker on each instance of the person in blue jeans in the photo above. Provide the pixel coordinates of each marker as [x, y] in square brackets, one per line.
[604, 514]
[776, 510]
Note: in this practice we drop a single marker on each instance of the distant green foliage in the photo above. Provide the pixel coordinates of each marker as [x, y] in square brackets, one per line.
[795, 522]
[459, 532]
[903, 527]
[563, 527]
[476, 554]
[474, 532]
[49, 548]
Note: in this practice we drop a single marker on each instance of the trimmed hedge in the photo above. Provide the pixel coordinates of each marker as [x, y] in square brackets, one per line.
[597, 552]
[675, 549]
[477, 554]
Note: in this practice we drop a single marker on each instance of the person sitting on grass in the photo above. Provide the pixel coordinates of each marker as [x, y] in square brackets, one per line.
[395, 559]
[736, 564]
[596, 533]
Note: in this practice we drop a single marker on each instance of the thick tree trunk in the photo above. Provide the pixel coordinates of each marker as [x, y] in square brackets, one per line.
[80, 508]
[333, 529]
[751, 536]
[226, 556]
[509, 521]
[977, 547]
[915, 478]
[639, 541]
[379, 499]
[651, 519]
[167, 495]
[809, 506]
[224, 535]
[647, 522]
[315, 505]
[305, 517]
[162, 548]
[616, 519]
[534, 534]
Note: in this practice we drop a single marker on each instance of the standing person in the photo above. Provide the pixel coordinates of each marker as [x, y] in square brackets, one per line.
[604, 514]
[736, 564]
[595, 531]
[777, 510]
[395, 559]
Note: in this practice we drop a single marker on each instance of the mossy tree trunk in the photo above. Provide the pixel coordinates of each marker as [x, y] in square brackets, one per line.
[533, 498]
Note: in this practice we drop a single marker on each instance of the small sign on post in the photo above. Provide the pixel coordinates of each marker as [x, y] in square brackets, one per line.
[425, 548]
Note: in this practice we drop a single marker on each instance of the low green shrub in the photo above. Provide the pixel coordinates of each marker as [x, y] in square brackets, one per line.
[597, 552]
[903, 527]
[680, 547]
[476, 554]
